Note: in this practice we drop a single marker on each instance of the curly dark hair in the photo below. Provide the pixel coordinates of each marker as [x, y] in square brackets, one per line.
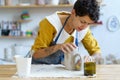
[87, 7]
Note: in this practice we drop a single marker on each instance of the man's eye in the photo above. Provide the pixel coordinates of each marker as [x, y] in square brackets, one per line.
[82, 21]
[89, 23]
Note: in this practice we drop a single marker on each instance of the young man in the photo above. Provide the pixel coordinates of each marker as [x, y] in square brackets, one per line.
[61, 32]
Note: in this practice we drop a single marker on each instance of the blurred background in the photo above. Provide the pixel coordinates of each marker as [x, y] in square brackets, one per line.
[17, 32]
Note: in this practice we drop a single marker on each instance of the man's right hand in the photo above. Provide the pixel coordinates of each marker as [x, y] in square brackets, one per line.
[68, 47]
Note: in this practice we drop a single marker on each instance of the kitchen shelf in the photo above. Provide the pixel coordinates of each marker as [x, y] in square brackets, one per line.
[37, 6]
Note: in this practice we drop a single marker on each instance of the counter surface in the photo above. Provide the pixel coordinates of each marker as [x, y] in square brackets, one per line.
[104, 72]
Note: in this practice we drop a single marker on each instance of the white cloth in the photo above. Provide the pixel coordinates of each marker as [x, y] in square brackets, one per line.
[55, 21]
[52, 71]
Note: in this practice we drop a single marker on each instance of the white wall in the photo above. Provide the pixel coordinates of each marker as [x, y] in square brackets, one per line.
[109, 41]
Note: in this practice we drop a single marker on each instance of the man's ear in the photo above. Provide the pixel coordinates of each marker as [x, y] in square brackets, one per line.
[73, 12]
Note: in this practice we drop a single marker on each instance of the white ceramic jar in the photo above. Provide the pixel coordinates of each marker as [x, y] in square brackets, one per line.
[52, 2]
[8, 54]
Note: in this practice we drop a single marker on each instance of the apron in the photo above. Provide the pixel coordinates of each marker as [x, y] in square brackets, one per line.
[55, 58]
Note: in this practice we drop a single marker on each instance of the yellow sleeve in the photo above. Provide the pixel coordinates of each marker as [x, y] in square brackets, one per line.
[45, 35]
[91, 44]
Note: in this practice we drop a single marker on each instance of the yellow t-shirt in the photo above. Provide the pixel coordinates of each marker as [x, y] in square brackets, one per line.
[47, 33]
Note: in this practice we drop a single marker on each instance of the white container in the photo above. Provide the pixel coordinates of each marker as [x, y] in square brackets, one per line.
[23, 66]
[71, 59]
[52, 2]
[8, 54]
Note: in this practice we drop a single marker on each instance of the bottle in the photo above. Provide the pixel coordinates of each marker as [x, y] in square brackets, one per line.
[0, 29]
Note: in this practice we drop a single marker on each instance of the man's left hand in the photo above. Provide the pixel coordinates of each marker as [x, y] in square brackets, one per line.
[98, 58]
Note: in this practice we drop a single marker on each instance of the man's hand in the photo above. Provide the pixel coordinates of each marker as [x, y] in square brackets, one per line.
[68, 47]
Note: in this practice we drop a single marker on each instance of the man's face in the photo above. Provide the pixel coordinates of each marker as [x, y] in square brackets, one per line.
[80, 23]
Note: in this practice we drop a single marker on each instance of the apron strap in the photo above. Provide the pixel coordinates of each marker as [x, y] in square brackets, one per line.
[62, 29]
[76, 39]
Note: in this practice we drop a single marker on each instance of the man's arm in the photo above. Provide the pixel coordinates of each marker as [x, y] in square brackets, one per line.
[44, 52]
[92, 46]
[45, 37]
